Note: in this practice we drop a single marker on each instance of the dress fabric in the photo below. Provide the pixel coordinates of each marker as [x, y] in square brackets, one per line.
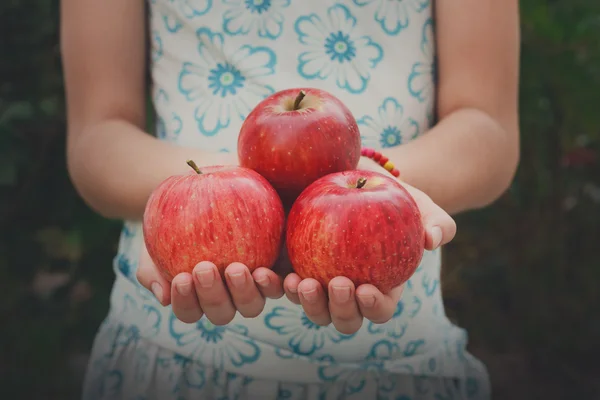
[212, 62]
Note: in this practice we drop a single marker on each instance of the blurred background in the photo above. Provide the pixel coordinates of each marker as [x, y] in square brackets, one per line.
[522, 276]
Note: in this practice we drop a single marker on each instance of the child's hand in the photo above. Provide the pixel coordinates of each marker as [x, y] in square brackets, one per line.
[345, 305]
[205, 293]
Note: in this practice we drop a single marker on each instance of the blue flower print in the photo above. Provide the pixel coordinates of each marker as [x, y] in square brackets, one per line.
[288, 394]
[169, 129]
[225, 86]
[439, 389]
[169, 124]
[430, 284]
[172, 23]
[437, 308]
[123, 265]
[472, 386]
[305, 337]
[389, 126]
[422, 386]
[388, 349]
[461, 345]
[177, 366]
[192, 8]
[122, 262]
[225, 79]
[128, 230]
[431, 366]
[264, 16]
[383, 350]
[422, 77]
[413, 347]
[141, 365]
[193, 376]
[336, 50]
[355, 377]
[188, 9]
[157, 46]
[285, 353]
[215, 345]
[429, 279]
[227, 386]
[146, 325]
[413, 306]
[112, 384]
[395, 327]
[393, 15]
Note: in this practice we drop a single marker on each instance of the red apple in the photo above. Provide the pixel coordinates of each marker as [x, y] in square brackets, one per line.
[297, 136]
[359, 224]
[221, 214]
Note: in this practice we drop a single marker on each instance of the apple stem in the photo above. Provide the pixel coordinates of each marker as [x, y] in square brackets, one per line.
[361, 182]
[299, 100]
[192, 164]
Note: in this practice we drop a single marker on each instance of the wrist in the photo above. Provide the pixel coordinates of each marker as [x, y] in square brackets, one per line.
[380, 158]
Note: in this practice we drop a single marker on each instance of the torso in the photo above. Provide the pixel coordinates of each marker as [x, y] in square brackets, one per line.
[212, 61]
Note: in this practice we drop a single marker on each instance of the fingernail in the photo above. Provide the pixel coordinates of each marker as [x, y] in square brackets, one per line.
[366, 301]
[157, 290]
[184, 289]
[309, 295]
[263, 281]
[341, 294]
[237, 279]
[206, 277]
[436, 236]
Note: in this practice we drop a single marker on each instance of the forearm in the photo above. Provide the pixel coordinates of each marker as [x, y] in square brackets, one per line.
[464, 162]
[115, 166]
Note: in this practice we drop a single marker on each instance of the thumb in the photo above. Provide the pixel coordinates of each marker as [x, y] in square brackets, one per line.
[150, 278]
[440, 227]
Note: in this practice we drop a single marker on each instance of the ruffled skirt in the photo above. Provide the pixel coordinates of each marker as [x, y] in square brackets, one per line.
[125, 366]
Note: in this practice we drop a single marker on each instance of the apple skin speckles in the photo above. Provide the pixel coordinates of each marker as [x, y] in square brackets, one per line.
[372, 234]
[223, 215]
[293, 148]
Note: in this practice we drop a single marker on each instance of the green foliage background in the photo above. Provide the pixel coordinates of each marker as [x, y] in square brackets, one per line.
[522, 276]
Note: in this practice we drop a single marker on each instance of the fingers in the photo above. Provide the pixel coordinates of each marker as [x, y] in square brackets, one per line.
[345, 314]
[245, 295]
[268, 282]
[290, 286]
[313, 299]
[185, 302]
[212, 294]
[204, 292]
[342, 305]
[190, 297]
[375, 306]
[150, 278]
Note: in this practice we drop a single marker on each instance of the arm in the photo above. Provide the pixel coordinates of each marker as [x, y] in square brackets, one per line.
[466, 161]
[112, 162]
[115, 165]
[470, 157]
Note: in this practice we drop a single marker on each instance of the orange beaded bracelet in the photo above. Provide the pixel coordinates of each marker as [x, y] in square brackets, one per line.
[381, 159]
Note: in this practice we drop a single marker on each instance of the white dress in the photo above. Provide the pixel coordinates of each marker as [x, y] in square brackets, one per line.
[212, 61]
